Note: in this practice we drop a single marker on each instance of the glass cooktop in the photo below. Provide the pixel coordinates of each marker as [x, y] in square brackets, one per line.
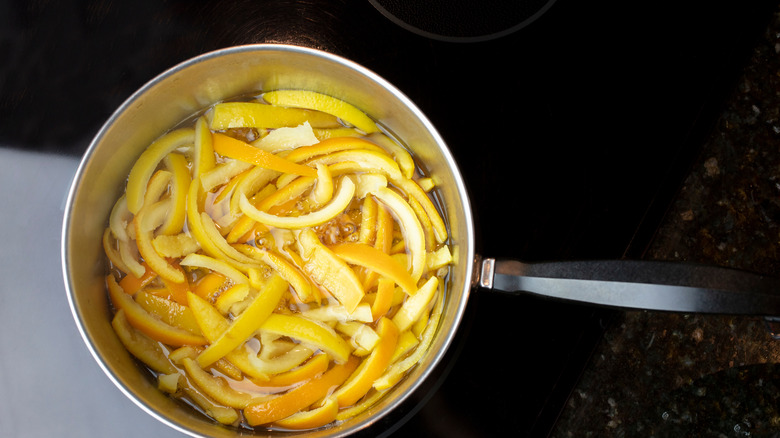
[572, 131]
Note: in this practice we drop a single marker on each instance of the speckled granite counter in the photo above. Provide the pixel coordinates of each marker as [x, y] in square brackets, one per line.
[691, 375]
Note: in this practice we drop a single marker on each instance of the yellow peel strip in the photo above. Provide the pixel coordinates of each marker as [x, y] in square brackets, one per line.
[401, 155]
[213, 324]
[113, 254]
[415, 305]
[310, 332]
[259, 115]
[321, 102]
[329, 271]
[247, 323]
[146, 164]
[410, 228]
[203, 156]
[219, 266]
[364, 160]
[180, 184]
[283, 362]
[223, 173]
[201, 233]
[340, 201]
[213, 234]
[119, 219]
[217, 387]
[289, 272]
[145, 222]
[413, 190]
[323, 190]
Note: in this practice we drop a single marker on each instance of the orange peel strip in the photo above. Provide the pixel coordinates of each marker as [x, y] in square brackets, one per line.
[368, 217]
[230, 296]
[131, 284]
[245, 223]
[223, 173]
[146, 349]
[178, 291]
[240, 150]
[287, 193]
[384, 298]
[317, 364]
[209, 285]
[176, 245]
[372, 368]
[148, 324]
[286, 138]
[397, 370]
[300, 397]
[371, 258]
[196, 226]
[323, 189]
[255, 184]
[345, 414]
[227, 190]
[312, 418]
[330, 146]
[168, 311]
[223, 249]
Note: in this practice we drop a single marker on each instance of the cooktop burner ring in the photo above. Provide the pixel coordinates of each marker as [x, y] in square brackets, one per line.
[463, 20]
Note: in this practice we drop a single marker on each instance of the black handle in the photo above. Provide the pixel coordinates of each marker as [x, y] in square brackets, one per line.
[651, 285]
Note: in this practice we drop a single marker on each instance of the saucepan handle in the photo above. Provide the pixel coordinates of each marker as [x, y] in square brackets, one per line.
[650, 285]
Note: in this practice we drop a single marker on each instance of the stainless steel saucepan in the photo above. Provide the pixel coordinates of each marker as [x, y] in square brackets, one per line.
[195, 84]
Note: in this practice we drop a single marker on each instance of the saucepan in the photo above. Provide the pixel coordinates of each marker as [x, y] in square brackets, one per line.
[200, 82]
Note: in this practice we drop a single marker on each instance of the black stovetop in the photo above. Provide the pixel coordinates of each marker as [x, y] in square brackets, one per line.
[573, 132]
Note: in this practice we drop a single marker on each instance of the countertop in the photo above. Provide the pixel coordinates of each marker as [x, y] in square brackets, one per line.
[658, 374]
